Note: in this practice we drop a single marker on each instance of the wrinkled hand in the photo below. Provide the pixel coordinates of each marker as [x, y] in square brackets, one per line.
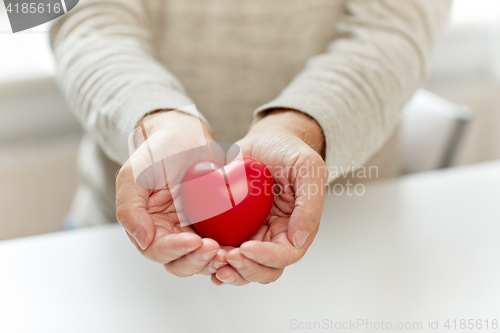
[288, 142]
[148, 213]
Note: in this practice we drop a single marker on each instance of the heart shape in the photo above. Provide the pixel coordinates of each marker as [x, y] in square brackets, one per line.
[228, 203]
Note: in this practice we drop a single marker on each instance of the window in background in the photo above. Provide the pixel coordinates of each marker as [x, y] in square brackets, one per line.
[466, 70]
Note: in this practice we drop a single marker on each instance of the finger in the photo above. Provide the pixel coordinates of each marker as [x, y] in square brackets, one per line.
[217, 262]
[309, 199]
[228, 275]
[261, 233]
[215, 280]
[173, 246]
[252, 271]
[195, 261]
[131, 208]
[277, 254]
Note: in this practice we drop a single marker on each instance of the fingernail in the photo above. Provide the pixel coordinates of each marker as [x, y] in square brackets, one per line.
[236, 263]
[209, 255]
[230, 280]
[249, 255]
[141, 238]
[299, 239]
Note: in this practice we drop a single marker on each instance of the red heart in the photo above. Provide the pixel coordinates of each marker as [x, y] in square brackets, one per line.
[228, 203]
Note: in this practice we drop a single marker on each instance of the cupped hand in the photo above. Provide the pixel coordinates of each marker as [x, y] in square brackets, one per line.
[290, 144]
[145, 205]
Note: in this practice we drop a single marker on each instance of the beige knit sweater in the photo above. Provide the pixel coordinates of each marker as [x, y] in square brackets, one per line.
[350, 64]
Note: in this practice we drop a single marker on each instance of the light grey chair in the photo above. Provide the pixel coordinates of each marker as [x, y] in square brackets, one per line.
[431, 131]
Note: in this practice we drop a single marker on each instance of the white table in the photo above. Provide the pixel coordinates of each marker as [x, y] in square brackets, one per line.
[422, 248]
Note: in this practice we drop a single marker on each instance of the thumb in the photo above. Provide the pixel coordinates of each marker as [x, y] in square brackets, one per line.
[131, 208]
[309, 201]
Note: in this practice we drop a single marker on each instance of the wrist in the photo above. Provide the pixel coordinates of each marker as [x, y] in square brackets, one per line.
[170, 120]
[292, 122]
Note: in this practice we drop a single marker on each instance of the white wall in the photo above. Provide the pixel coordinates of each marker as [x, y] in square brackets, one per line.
[38, 136]
[469, 45]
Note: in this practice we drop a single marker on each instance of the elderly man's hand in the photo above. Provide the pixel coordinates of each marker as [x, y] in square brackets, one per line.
[146, 209]
[290, 144]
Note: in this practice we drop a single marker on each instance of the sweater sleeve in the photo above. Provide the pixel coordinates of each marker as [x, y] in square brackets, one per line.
[108, 73]
[357, 89]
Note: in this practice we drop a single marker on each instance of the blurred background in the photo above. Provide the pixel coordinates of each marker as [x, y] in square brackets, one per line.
[39, 136]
